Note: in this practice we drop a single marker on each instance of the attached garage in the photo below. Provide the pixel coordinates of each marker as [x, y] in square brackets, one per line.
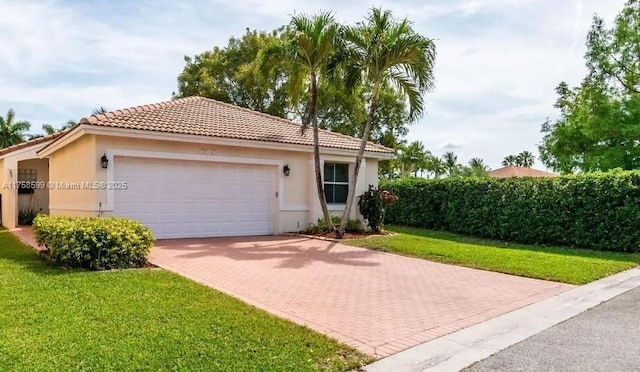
[187, 199]
[196, 167]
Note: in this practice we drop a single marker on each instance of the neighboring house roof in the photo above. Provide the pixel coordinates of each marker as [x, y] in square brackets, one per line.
[207, 117]
[516, 171]
[32, 142]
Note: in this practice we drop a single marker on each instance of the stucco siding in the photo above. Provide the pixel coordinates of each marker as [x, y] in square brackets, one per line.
[71, 169]
[296, 204]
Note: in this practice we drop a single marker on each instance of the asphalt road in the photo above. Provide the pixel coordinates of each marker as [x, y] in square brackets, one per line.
[605, 338]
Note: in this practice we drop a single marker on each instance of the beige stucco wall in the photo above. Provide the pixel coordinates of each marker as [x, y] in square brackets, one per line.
[68, 167]
[9, 165]
[80, 162]
[5, 192]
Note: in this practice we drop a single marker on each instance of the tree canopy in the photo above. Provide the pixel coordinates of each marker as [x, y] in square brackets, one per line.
[12, 132]
[523, 159]
[599, 124]
[231, 74]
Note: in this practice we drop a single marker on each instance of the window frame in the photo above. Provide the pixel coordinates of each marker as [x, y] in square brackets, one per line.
[26, 178]
[334, 182]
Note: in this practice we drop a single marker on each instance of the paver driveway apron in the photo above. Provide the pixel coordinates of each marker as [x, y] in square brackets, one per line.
[377, 302]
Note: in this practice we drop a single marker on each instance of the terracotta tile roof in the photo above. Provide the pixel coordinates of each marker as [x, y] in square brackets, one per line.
[207, 117]
[32, 142]
[516, 171]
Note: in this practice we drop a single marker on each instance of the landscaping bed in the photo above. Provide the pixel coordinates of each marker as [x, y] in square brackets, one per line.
[347, 235]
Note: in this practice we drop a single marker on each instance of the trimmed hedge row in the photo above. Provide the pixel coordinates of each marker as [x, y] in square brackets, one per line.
[598, 211]
[94, 243]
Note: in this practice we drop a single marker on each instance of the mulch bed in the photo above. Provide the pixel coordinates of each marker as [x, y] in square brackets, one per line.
[349, 235]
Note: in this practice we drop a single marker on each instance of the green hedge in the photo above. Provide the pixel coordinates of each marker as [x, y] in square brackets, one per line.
[597, 211]
[94, 243]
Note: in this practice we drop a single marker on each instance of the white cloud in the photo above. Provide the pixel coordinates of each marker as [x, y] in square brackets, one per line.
[498, 60]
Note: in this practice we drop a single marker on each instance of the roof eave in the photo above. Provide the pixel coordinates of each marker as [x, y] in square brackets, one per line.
[84, 128]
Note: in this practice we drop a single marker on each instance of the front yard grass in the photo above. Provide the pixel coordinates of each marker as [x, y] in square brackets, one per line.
[574, 266]
[144, 319]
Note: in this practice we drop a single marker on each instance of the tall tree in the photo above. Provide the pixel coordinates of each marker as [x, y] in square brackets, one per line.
[49, 129]
[12, 132]
[450, 160]
[304, 54]
[437, 166]
[384, 51]
[478, 167]
[599, 123]
[230, 74]
[525, 159]
[99, 110]
[414, 158]
[510, 160]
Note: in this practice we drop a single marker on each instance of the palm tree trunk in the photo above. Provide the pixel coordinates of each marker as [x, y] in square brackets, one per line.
[316, 152]
[356, 167]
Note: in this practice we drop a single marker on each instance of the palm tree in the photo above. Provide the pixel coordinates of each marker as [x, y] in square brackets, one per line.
[414, 158]
[12, 132]
[450, 160]
[305, 53]
[510, 160]
[386, 52]
[526, 159]
[50, 129]
[478, 167]
[99, 110]
[437, 166]
[477, 163]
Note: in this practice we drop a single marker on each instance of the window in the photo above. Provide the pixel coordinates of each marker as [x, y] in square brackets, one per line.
[26, 180]
[336, 182]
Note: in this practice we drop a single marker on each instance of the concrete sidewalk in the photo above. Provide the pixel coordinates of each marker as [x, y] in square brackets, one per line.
[465, 347]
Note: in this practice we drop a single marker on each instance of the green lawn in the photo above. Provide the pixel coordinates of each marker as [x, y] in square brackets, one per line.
[575, 266]
[146, 319]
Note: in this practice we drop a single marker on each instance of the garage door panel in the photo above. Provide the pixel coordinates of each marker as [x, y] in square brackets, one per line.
[196, 199]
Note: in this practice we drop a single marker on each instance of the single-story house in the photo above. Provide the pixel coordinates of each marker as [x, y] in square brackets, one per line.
[190, 167]
[517, 171]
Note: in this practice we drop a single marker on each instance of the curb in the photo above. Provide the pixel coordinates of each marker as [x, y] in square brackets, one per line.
[460, 349]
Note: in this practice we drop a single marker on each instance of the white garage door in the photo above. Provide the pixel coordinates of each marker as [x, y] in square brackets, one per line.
[184, 199]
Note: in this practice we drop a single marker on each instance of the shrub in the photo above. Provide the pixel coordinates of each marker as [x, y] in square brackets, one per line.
[28, 213]
[26, 216]
[372, 204]
[598, 211]
[353, 225]
[94, 243]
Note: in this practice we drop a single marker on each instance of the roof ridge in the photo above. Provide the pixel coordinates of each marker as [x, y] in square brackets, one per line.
[133, 109]
[287, 121]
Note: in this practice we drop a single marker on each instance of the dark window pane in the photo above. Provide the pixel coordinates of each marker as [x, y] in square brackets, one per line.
[340, 194]
[342, 173]
[328, 172]
[328, 193]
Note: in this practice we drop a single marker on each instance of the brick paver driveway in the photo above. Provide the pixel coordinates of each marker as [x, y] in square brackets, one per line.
[377, 302]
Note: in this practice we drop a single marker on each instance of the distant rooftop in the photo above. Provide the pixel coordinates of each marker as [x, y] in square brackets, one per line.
[516, 171]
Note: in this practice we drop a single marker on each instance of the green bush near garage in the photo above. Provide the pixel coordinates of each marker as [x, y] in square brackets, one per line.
[94, 243]
[598, 211]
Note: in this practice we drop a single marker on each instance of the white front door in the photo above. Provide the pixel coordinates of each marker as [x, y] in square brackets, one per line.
[185, 198]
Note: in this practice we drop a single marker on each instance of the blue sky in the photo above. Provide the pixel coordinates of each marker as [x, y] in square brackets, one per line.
[497, 66]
